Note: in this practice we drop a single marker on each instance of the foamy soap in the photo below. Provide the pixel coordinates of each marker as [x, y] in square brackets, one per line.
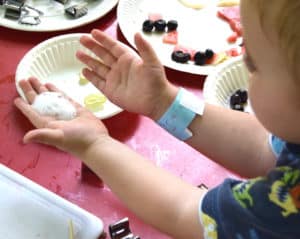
[54, 104]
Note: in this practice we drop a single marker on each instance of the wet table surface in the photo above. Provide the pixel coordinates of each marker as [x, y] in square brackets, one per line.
[60, 172]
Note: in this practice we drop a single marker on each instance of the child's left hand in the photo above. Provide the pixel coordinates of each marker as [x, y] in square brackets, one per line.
[136, 83]
[73, 136]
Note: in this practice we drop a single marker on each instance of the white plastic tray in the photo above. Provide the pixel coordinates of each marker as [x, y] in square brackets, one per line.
[30, 211]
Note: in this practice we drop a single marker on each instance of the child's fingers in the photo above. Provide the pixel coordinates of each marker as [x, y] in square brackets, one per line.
[47, 136]
[53, 88]
[145, 50]
[34, 117]
[94, 78]
[37, 85]
[115, 47]
[30, 113]
[28, 90]
[93, 64]
[107, 58]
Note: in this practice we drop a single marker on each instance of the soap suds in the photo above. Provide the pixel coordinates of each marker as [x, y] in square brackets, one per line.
[54, 104]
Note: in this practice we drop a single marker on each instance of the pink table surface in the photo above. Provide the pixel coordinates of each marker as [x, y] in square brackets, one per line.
[60, 172]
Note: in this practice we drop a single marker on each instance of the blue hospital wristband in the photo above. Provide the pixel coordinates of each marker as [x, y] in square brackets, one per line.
[181, 113]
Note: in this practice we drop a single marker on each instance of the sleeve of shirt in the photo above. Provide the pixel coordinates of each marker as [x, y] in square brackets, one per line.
[259, 208]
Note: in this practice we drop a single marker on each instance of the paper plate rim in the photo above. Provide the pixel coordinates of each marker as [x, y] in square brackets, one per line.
[209, 87]
[29, 56]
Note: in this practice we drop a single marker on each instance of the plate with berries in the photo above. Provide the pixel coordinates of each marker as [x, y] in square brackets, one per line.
[192, 36]
[227, 86]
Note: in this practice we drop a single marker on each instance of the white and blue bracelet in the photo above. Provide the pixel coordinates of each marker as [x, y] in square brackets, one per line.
[181, 113]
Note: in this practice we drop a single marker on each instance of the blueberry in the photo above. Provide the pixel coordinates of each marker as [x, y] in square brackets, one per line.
[172, 25]
[160, 25]
[200, 58]
[243, 95]
[238, 107]
[148, 25]
[180, 56]
[209, 53]
[235, 99]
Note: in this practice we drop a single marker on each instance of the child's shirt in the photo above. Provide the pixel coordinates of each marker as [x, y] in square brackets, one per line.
[260, 208]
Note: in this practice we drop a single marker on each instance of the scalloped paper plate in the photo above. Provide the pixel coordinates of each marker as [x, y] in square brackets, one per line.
[198, 29]
[54, 18]
[53, 61]
[30, 211]
[224, 81]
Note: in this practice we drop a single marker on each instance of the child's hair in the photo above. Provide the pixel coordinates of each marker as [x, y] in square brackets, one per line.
[283, 15]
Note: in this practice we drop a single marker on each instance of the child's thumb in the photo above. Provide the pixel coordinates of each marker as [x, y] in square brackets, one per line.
[145, 50]
[51, 137]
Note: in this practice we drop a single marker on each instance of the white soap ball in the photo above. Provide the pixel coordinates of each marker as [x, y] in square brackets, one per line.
[54, 104]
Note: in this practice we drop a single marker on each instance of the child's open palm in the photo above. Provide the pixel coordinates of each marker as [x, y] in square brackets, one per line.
[73, 136]
[135, 83]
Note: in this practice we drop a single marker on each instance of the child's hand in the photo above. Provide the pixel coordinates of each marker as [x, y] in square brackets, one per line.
[74, 136]
[137, 84]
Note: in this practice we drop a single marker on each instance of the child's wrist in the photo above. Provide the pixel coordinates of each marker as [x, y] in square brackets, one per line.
[100, 142]
[164, 102]
[181, 112]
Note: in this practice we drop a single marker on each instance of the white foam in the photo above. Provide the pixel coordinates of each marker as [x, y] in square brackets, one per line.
[54, 104]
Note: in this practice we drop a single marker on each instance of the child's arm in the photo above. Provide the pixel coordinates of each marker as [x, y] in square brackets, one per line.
[157, 197]
[233, 139]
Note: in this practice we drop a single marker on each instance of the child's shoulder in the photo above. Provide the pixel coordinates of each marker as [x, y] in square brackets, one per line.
[287, 154]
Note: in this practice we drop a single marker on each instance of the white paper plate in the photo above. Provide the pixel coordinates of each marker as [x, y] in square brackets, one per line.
[224, 81]
[198, 29]
[53, 61]
[54, 18]
[30, 211]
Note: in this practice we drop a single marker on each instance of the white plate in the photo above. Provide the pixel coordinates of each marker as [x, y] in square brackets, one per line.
[53, 61]
[198, 29]
[224, 81]
[30, 211]
[54, 18]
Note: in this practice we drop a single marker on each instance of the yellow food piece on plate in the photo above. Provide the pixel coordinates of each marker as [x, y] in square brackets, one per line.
[221, 57]
[82, 79]
[196, 4]
[95, 102]
[228, 3]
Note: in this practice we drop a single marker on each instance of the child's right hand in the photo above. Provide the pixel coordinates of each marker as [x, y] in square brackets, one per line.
[74, 136]
[135, 83]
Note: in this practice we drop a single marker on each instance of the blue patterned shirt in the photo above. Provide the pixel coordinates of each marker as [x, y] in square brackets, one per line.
[260, 208]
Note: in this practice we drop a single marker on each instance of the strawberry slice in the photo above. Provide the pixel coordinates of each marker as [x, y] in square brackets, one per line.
[236, 26]
[155, 16]
[232, 16]
[233, 37]
[233, 52]
[171, 37]
[229, 13]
